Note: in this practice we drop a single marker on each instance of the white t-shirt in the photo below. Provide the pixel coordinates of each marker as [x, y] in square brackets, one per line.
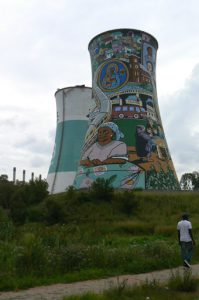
[184, 226]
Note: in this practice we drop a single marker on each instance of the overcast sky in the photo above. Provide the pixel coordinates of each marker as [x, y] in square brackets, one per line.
[44, 46]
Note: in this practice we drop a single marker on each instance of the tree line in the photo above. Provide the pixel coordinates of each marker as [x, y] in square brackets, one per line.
[22, 200]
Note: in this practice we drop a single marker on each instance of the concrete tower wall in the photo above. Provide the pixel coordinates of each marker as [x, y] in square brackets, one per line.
[73, 104]
[125, 140]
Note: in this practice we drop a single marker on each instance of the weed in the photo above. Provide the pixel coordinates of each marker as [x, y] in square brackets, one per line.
[184, 282]
[87, 296]
[116, 292]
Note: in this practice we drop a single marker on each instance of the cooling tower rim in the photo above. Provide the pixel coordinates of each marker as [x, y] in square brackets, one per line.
[73, 87]
[123, 29]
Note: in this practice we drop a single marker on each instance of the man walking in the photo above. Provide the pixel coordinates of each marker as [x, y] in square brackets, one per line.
[186, 240]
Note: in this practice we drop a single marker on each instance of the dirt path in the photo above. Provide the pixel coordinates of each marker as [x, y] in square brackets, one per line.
[58, 291]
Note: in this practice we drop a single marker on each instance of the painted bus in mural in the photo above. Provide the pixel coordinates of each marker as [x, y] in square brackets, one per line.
[128, 111]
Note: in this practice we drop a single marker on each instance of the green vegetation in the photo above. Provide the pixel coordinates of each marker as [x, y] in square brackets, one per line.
[79, 235]
[190, 181]
[150, 290]
[185, 283]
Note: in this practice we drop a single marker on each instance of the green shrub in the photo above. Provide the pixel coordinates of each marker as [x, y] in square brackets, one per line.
[163, 251]
[166, 230]
[7, 231]
[35, 214]
[31, 256]
[36, 191]
[134, 227]
[126, 202]
[18, 211]
[7, 258]
[3, 215]
[102, 190]
[26, 195]
[7, 189]
[86, 296]
[54, 211]
[183, 283]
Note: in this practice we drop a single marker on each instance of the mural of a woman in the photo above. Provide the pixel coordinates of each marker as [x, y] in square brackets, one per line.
[108, 148]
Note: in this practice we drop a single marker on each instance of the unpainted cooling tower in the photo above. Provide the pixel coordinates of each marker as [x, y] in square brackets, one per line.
[125, 139]
[73, 105]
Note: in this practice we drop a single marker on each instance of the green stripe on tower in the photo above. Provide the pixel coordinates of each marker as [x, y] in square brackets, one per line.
[68, 143]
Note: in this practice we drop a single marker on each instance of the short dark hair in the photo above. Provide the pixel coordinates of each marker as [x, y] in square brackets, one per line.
[185, 216]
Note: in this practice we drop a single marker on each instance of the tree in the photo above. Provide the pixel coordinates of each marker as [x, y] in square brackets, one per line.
[26, 196]
[37, 191]
[7, 188]
[190, 181]
[3, 178]
[102, 189]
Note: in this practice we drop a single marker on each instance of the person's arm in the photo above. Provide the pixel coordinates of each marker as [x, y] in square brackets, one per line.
[114, 160]
[191, 235]
[179, 236]
[86, 163]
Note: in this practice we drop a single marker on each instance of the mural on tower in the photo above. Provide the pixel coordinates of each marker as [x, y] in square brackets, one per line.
[125, 136]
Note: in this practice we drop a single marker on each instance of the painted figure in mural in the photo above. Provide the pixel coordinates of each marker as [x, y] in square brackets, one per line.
[149, 56]
[108, 149]
[112, 75]
[149, 67]
[144, 142]
[111, 79]
[149, 59]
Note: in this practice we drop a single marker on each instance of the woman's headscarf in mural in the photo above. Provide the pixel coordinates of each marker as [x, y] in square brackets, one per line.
[118, 134]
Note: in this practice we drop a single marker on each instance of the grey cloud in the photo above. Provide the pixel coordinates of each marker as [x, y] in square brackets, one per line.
[13, 123]
[35, 145]
[181, 123]
[39, 161]
[51, 134]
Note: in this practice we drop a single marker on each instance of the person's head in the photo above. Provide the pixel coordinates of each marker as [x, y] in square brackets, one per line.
[140, 129]
[107, 132]
[149, 67]
[185, 216]
[105, 135]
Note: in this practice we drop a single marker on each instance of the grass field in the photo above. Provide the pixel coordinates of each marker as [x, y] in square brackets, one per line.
[83, 236]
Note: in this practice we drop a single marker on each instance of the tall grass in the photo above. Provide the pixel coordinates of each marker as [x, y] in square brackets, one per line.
[147, 291]
[183, 283]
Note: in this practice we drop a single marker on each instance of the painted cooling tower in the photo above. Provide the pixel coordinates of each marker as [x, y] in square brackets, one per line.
[72, 123]
[125, 140]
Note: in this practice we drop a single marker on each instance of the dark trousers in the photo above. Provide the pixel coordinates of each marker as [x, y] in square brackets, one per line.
[186, 250]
